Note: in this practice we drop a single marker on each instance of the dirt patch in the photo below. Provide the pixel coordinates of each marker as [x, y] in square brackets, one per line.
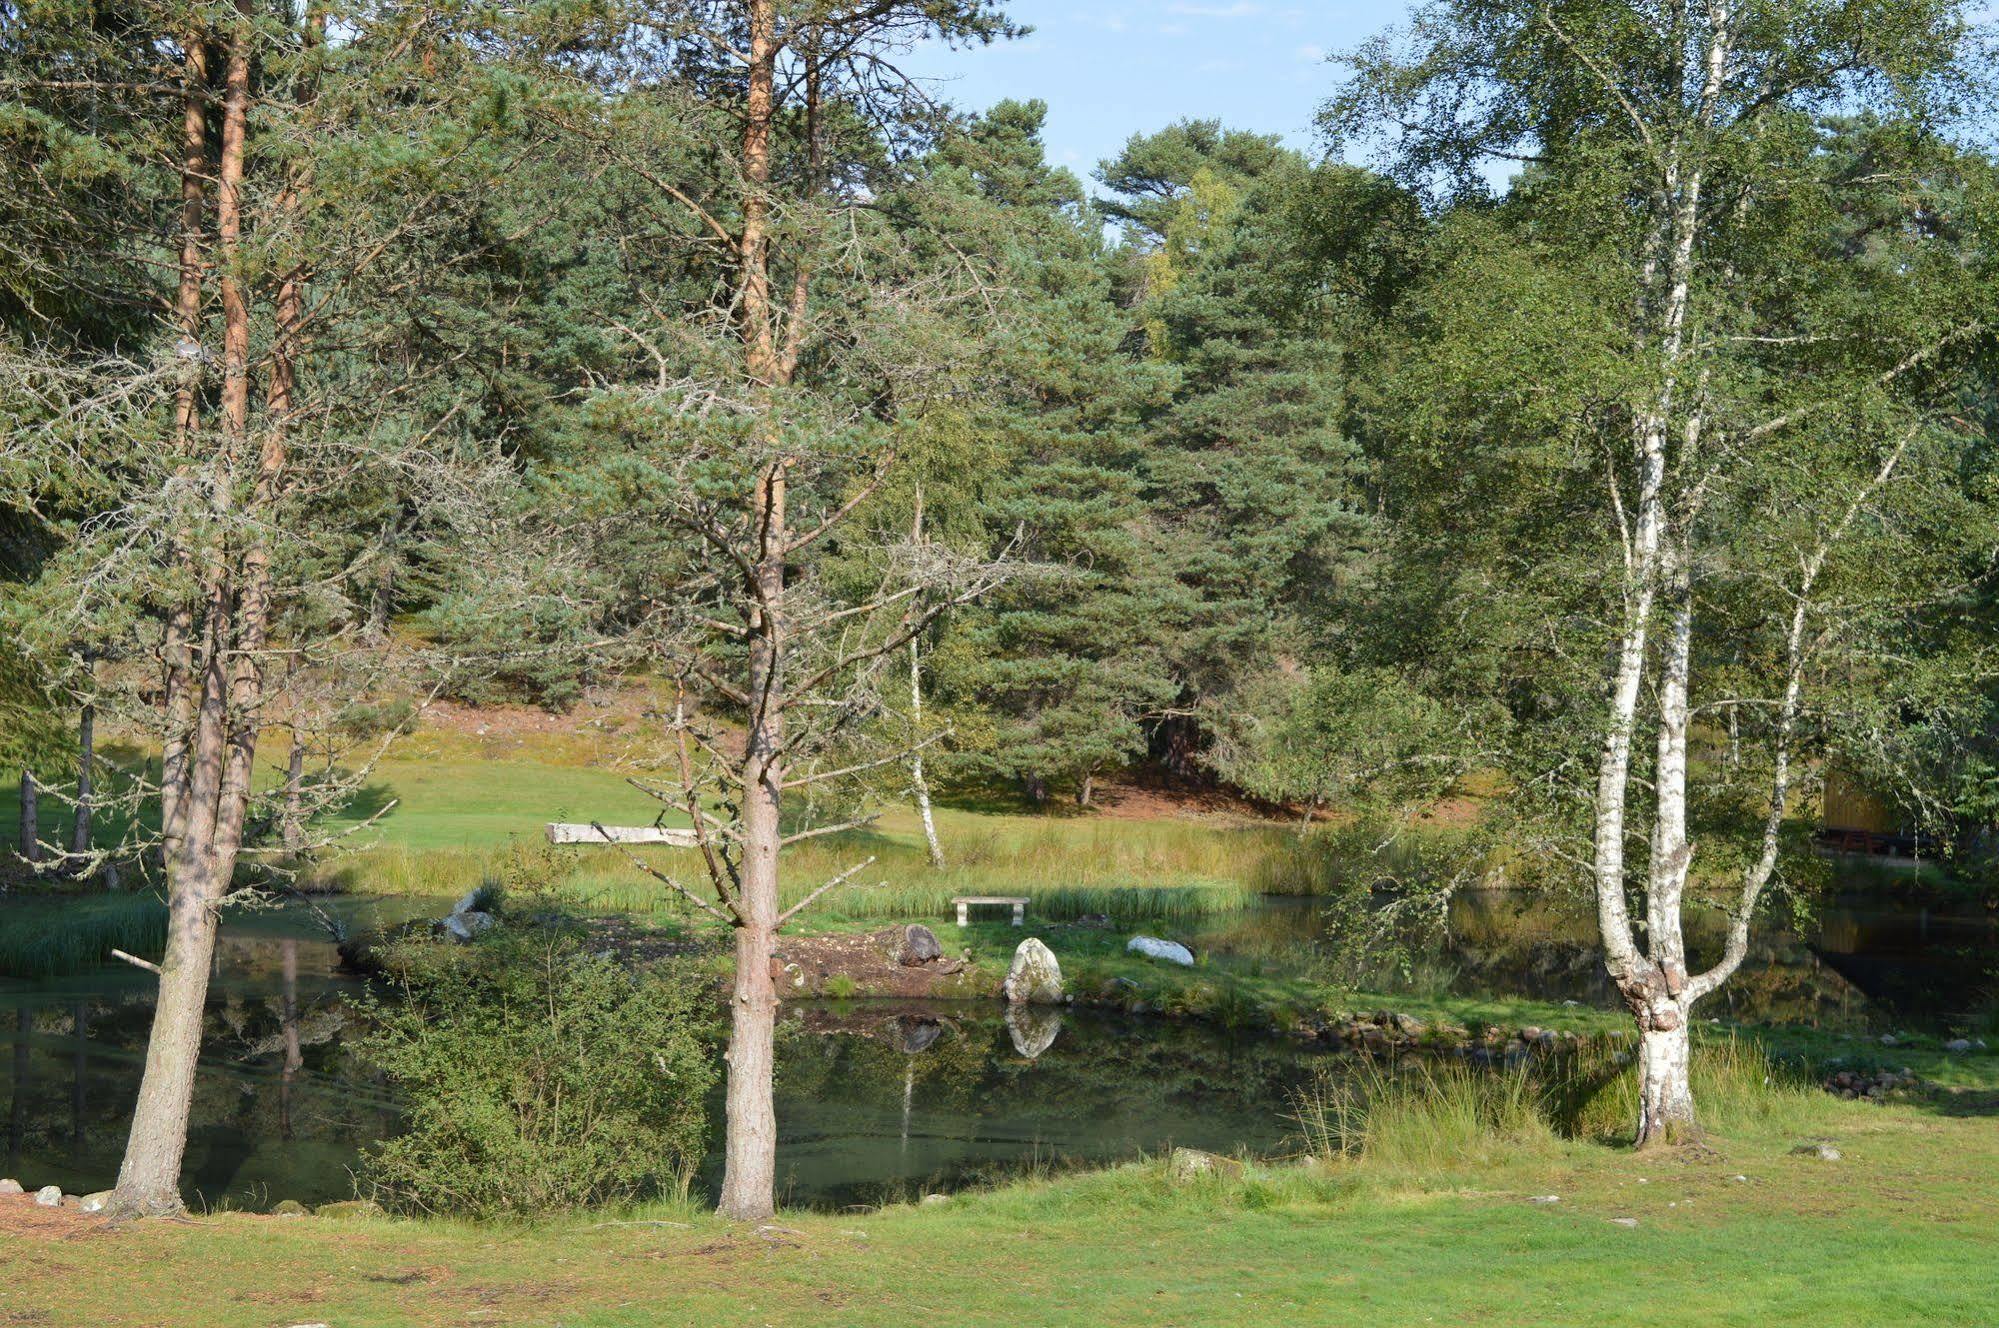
[866, 962]
[1150, 800]
[636, 945]
[20, 1215]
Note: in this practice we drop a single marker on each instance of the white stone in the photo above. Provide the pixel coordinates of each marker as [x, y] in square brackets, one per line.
[97, 1202]
[10, 1186]
[464, 926]
[1546, 1198]
[49, 1196]
[1035, 977]
[1153, 948]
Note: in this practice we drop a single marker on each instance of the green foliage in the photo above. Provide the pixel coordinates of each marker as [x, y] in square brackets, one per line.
[536, 1077]
[1343, 737]
[33, 734]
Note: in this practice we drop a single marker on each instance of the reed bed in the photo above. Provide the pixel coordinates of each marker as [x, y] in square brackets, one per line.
[47, 938]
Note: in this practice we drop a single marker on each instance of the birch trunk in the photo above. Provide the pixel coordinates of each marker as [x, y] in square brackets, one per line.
[918, 784]
[1657, 564]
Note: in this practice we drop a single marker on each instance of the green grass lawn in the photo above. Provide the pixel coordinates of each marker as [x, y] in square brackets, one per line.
[1903, 1230]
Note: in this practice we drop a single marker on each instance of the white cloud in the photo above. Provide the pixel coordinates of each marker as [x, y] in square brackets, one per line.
[1240, 9]
[1313, 53]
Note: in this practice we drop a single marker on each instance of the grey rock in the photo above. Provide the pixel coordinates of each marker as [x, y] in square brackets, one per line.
[936, 1200]
[465, 905]
[464, 926]
[1152, 947]
[96, 1202]
[1957, 1046]
[1888, 1039]
[1546, 1199]
[1624, 1221]
[1823, 1152]
[1187, 1163]
[290, 1208]
[349, 1208]
[11, 1186]
[1035, 978]
[49, 1196]
[919, 946]
[1406, 1027]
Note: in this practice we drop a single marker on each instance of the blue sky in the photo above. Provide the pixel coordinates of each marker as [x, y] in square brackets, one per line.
[1112, 68]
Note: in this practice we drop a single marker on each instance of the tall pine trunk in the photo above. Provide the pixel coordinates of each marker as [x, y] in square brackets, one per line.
[749, 1167]
[205, 804]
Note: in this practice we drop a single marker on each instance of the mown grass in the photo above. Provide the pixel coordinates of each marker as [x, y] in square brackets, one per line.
[456, 814]
[1414, 1229]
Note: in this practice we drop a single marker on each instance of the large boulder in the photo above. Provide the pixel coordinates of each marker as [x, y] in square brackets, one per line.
[1035, 978]
[11, 1186]
[96, 1202]
[1153, 948]
[49, 1196]
[919, 946]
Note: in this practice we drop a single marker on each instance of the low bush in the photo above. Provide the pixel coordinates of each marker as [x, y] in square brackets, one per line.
[536, 1077]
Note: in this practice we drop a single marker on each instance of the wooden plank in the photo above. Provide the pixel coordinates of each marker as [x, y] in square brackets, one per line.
[564, 832]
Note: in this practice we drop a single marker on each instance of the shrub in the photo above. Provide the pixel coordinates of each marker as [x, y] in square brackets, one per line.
[536, 1077]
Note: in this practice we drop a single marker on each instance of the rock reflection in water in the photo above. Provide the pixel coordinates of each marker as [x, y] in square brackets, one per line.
[1032, 1028]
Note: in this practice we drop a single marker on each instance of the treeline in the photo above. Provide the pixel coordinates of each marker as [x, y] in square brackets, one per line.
[1624, 432]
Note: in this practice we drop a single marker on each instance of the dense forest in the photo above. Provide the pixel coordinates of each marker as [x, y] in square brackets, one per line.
[1600, 413]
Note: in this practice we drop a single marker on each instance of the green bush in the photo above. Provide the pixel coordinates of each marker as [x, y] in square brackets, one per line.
[536, 1077]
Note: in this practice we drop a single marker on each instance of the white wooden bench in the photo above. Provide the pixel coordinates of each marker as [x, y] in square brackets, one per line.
[562, 832]
[1018, 903]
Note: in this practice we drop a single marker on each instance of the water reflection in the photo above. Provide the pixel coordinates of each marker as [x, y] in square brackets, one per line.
[874, 1101]
[1857, 964]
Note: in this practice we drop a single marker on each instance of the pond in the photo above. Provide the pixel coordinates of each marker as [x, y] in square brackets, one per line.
[875, 1100]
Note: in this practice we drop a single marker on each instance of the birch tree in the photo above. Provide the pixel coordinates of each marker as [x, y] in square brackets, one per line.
[1713, 408]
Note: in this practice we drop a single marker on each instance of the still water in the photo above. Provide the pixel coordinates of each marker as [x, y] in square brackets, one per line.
[875, 1100]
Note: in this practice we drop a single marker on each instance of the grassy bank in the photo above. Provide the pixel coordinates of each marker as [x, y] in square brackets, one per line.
[1412, 1227]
